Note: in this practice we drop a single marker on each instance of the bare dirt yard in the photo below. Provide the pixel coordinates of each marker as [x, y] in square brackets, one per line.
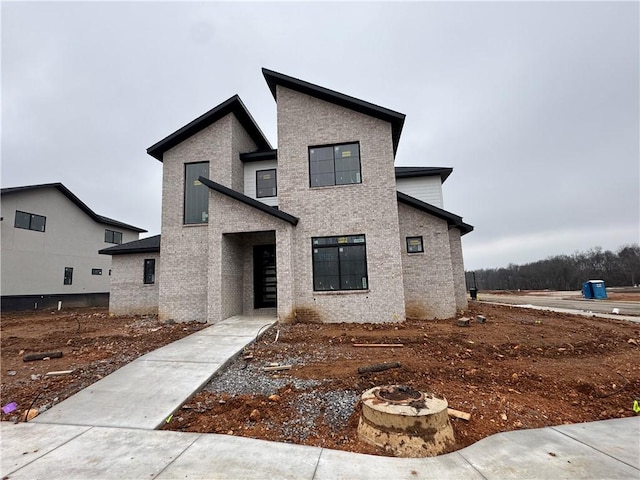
[520, 369]
[92, 343]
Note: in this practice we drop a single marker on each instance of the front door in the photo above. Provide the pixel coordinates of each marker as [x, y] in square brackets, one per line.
[264, 276]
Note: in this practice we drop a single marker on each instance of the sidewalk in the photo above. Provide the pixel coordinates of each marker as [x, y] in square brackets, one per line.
[108, 431]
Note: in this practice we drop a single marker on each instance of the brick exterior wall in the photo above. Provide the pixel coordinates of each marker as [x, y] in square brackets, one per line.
[428, 277]
[369, 208]
[184, 278]
[457, 264]
[129, 295]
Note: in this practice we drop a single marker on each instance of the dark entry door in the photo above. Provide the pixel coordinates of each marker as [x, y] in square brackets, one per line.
[264, 276]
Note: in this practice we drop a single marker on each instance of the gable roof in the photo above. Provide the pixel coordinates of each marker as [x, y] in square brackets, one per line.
[408, 172]
[79, 203]
[233, 105]
[395, 118]
[454, 221]
[144, 245]
[249, 201]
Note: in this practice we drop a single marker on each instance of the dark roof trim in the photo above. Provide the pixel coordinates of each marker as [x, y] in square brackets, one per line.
[144, 245]
[79, 203]
[249, 201]
[395, 118]
[454, 221]
[408, 172]
[233, 105]
[259, 155]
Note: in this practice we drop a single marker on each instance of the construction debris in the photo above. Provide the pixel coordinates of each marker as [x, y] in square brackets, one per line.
[458, 414]
[463, 322]
[381, 367]
[30, 357]
[277, 368]
[59, 372]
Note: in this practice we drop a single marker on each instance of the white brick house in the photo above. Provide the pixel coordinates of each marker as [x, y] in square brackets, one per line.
[323, 228]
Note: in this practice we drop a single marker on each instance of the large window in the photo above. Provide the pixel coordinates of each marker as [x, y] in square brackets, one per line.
[196, 195]
[30, 221]
[334, 165]
[68, 275]
[339, 263]
[111, 236]
[266, 184]
[150, 271]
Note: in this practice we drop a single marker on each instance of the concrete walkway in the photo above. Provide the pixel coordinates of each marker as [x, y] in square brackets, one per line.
[143, 393]
[107, 431]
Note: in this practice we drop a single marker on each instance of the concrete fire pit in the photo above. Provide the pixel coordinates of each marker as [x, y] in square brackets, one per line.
[404, 421]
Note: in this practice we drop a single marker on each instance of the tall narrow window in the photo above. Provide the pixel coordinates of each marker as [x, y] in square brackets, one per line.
[339, 263]
[111, 236]
[68, 275]
[334, 165]
[266, 184]
[149, 271]
[30, 221]
[196, 195]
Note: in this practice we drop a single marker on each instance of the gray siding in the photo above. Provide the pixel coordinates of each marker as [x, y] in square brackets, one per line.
[34, 262]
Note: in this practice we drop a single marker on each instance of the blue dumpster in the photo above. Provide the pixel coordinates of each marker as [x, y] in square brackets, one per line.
[594, 289]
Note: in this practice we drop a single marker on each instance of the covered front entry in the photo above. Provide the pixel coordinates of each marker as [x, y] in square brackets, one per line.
[264, 276]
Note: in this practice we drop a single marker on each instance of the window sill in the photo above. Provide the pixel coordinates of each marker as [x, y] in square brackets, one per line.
[192, 225]
[340, 292]
[324, 187]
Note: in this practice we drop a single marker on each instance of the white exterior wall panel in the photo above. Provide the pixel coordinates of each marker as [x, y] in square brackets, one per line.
[250, 169]
[427, 189]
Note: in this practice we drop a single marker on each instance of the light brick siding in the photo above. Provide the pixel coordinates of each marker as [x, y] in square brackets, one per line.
[184, 277]
[457, 262]
[369, 208]
[428, 276]
[234, 229]
[129, 294]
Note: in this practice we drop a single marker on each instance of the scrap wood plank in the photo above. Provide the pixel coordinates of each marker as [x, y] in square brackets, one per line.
[59, 372]
[39, 356]
[390, 345]
[381, 367]
[277, 368]
[459, 414]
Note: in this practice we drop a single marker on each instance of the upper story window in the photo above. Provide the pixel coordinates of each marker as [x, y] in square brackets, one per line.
[196, 195]
[334, 165]
[111, 236]
[30, 221]
[414, 245]
[339, 263]
[149, 271]
[266, 183]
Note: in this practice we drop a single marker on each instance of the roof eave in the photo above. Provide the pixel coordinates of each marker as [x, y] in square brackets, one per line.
[249, 201]
[232, 105]
[395, 118]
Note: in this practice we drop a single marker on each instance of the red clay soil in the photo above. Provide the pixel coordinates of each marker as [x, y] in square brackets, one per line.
[92, 343]
[521, 369]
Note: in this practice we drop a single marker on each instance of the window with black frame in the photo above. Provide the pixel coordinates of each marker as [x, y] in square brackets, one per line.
[266, 183]
[149, 271]
[340, 263]
[68, 275]
[111, 236]
[334, 165]
[30, 221]
[414, 245]
[196, 195]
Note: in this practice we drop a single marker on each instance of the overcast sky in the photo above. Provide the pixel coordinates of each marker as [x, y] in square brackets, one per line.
[534, 105]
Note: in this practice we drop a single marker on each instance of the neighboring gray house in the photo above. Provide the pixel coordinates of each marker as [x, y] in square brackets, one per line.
[322, 229]
[50, 243]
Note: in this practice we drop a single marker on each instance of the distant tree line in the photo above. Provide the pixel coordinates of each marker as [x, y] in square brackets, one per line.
[564, 272]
